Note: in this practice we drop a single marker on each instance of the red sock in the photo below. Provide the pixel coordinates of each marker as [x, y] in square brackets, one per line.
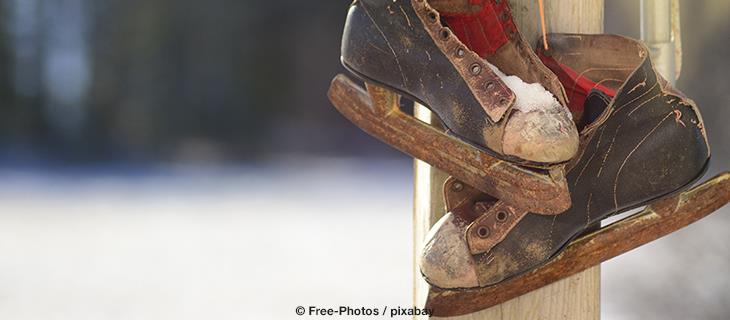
[485, 31]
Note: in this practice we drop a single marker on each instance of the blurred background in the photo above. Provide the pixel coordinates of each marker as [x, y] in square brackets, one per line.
[178, 159]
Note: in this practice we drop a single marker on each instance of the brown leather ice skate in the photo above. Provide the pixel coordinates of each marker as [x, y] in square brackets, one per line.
[404, 46]
[510, 144]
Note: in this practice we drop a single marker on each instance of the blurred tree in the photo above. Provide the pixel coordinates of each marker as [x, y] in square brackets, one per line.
[21, 122]
[224, 79]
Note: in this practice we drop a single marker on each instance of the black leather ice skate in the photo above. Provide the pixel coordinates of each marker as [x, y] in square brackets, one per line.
[648, 143]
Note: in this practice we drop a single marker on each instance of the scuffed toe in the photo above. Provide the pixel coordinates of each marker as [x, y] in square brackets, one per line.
[446, 261]
[545, 135]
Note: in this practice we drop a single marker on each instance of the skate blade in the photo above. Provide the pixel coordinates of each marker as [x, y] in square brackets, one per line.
[377, 112]
[657, 220]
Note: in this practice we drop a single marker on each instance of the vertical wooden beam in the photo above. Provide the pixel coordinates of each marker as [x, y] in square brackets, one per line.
[577, 297]
[428, 207]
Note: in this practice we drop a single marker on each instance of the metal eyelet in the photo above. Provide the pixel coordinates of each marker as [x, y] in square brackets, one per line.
[490, 85]
[460, 52]
[483, 232]
[475, 69]
[501, 216]
[432, 16]
[445, 33]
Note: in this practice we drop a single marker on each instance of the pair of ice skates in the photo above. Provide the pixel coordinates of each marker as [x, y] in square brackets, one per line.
[575, 134]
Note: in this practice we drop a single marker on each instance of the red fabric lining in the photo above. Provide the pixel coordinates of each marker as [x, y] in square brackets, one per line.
[576, 86]
[483, 32]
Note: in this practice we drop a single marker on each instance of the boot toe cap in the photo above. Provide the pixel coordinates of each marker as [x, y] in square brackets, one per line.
[546, 136]
[446, 261]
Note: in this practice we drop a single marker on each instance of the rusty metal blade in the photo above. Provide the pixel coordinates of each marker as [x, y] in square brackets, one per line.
[659, 219]
[377, 112]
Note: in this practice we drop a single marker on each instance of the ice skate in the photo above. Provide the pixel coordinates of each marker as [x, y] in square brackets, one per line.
[508, 130]
[645, 145]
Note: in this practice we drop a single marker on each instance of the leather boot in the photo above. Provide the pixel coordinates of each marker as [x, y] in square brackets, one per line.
[647, 143]
[404, 46]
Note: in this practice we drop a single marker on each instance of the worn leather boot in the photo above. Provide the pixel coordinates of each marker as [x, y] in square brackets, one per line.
[647, 143]
[404, 46]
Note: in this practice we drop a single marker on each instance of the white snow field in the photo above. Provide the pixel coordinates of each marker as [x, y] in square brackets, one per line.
[255, 243]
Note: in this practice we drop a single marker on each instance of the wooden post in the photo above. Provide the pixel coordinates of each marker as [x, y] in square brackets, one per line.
[577, 297]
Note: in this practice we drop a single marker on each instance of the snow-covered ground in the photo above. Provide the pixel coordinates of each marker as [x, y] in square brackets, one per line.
[255, 243]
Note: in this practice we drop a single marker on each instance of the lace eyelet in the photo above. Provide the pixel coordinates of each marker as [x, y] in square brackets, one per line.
[445, 33]
[483, 232]
[432, 16]
[501, 216]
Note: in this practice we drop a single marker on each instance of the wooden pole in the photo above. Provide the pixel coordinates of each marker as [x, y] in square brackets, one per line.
[576, 297]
